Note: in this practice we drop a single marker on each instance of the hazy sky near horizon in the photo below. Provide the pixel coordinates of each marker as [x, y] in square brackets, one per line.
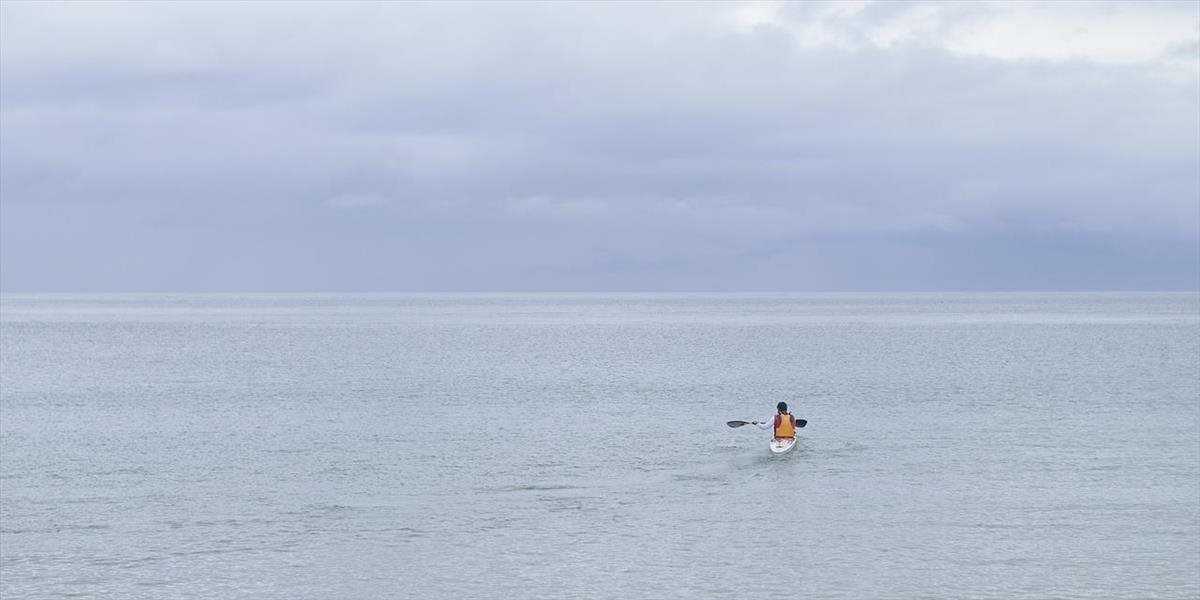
[599, 146]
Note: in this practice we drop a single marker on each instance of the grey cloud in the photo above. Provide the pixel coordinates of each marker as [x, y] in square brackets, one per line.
[1184, 50]
[542, 145]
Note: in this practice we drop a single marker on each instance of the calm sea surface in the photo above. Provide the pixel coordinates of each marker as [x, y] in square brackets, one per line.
[574, 446]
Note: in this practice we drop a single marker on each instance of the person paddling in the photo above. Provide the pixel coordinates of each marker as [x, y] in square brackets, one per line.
[784, 424]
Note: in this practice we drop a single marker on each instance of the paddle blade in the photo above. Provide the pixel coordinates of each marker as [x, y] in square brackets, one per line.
[737, 423]
[801, 422]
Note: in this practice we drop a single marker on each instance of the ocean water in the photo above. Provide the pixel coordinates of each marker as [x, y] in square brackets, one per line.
[574, 446]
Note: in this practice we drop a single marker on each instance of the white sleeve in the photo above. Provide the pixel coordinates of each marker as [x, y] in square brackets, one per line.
[768, 424]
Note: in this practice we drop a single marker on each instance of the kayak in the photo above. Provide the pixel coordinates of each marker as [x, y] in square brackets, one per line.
[782, 445]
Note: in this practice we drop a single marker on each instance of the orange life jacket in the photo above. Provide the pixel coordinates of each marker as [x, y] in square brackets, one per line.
[785, 427]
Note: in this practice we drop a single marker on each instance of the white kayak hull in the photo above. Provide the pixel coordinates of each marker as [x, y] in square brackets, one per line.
[783, 445]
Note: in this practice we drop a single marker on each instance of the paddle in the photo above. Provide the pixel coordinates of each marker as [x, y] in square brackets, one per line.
[799, 423]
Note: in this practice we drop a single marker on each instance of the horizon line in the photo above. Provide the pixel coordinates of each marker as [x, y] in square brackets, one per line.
[597, 291]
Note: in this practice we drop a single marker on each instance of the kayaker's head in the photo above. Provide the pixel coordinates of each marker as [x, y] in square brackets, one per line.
[782, 407]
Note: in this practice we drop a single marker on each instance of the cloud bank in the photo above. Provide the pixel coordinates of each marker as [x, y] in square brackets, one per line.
[762, 146]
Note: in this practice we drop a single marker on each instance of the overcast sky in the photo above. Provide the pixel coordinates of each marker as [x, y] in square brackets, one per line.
[814, 146]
